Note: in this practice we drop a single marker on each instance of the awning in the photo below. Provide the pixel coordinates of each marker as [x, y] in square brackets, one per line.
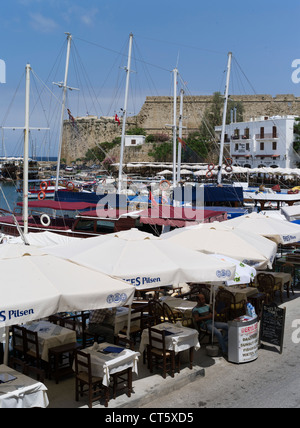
[56, 205]
[180, 216]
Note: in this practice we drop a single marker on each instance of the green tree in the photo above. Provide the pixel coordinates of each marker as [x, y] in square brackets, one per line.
[195, 149]
[162, 152]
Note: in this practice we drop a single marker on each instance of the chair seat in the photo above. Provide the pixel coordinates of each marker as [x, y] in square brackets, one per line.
[84, 377]
[160, 352]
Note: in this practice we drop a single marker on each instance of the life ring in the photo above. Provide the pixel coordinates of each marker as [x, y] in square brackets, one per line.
[228, 167]
[44, 186]
[70, 186]
[209, 172]
[161, 184]
[45, 220]
[41, 195]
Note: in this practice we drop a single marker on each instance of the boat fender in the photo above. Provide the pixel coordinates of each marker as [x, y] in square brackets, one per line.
[41, 195]
[70, 186]
[161, 184]
[228, 167]
[45, 220]
[44, 186]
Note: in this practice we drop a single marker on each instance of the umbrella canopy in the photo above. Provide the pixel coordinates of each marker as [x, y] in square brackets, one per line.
[42, 239]
[214, 238]
[145, 261]
[36, 286]
[280, 231]
[243, 273]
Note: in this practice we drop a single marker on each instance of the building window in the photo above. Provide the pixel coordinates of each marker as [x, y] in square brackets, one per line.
[274, 132]
[262, 146]
[236, 147]
[274, 145]
[246, 133]
[133, 141]
[236, 134]
[262, 132]
[247, 146]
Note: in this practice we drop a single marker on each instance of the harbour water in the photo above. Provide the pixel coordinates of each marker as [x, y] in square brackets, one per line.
[9, 196]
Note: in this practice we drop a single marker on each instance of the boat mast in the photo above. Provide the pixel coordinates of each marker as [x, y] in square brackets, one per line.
[175, 73]
[26, 149]
[224, 119]
[125, 113]
[180, 136]
[69, 38]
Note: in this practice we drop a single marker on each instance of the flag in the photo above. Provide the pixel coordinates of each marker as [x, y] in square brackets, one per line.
[72, 119]
[117, 119]
[183, 143]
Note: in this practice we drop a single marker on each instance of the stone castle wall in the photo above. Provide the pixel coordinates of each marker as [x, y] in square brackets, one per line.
[154, 116]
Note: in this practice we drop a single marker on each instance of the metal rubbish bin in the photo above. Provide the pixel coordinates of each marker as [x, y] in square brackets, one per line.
[243, 336]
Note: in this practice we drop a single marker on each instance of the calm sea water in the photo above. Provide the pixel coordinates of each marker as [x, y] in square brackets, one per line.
[9, 196]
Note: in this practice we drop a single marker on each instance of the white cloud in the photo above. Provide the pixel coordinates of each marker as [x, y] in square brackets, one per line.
[42, 23]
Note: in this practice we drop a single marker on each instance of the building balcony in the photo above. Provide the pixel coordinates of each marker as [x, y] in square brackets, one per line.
[267, 136]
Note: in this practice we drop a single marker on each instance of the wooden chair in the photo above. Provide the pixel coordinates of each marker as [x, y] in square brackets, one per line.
[139, 321]
[122, 380]
[122, 340]
[226, 306]
[61, 360]
[291, 269]
[86, 383]
[32, 356]
[88, 338]
[266, 284]
[168, 314]
[157, 351]
[156, 312]
[18, 348]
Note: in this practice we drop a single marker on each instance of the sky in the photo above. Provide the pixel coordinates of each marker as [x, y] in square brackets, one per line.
[193, 35]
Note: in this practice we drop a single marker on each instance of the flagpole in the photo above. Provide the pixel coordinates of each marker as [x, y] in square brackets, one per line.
[125, 114]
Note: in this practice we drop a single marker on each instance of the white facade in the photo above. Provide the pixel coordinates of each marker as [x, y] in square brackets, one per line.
[134, 140]
[263, 141]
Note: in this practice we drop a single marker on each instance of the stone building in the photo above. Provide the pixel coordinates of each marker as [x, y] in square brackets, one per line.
[154, 116]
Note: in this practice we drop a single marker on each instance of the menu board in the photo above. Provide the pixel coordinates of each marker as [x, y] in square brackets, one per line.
[272, 325]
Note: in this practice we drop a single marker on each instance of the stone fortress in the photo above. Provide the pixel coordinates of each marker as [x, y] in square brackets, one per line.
[154, 116]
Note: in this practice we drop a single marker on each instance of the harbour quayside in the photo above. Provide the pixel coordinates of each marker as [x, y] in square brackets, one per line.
[122, 197]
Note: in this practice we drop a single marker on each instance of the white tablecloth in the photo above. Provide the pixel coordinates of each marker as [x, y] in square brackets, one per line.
[23, 392]
[104, 365]
[182, 338]
[51, 335]
[121, 319]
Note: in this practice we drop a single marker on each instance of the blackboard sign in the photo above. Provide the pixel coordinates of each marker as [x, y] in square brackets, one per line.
[272, 325]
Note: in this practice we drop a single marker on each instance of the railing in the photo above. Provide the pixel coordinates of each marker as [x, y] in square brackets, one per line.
[265, 136]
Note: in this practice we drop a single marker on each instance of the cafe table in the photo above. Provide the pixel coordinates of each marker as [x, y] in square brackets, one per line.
[51, 335]
[22, 391]
[241, 293]
[121, 319]
[108, 359]
[281, 278]
[178, 339]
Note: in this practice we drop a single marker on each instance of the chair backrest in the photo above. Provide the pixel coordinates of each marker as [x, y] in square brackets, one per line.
[18, 338]
[288, 267]
[32, 344]
[83, 364]
[168, 313]
[156, 311]
[266, 282]
[157, 338]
